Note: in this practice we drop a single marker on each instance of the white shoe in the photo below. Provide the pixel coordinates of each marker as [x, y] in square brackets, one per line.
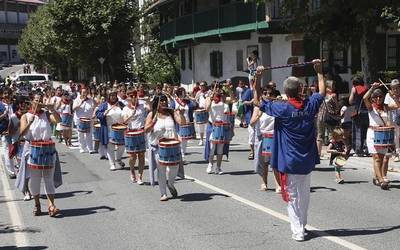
[27, 197]
[298, 237]
[113, 168]
[140, 182]
[263, 187]
[209, 168]
[164, 197]
[218, 171]
[82, 151]
[201, 143]
[133, 179]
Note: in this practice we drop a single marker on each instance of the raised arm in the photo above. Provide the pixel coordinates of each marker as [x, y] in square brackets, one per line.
[367, 95]
[320, 75]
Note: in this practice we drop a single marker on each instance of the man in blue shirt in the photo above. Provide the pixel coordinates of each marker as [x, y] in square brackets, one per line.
[294, 151]
[247, 98]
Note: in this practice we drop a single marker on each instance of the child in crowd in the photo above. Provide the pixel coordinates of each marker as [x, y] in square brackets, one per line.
[336, 148]
[346, 123]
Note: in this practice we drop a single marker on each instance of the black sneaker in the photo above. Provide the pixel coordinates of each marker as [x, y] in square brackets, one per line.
[103, 158]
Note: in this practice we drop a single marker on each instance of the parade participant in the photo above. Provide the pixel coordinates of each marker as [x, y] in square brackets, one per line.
[336, 148]
[378, 117]
[182, 102]
[83, 107]
[272, 86]
[264, 126]
[5, 113]
[216, 107]
[294, 150]
[201, 102]
[56, 100]
[395, 114]
[252, 64]
[360, 116]
[134, 115]
[160, 124]
[35, 127]
[66, 128]
[109, 114]
[122, 97]
[345, 113]
[247, 99]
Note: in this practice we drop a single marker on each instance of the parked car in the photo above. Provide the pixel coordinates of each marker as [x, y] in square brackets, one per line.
[33, 78]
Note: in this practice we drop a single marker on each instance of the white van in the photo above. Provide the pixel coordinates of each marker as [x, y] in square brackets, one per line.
[33, 78]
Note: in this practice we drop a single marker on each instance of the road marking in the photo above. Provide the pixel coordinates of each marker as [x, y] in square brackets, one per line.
[20, 238]
[278, 215]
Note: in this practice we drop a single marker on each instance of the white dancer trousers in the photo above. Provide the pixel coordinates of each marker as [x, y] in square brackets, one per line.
[114, 153]
[36, 177]
[85, 141]
[162, 177]
[299, 197]
[8, 163]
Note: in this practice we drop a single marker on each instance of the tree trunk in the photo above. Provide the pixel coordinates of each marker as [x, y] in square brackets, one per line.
[367, 42]
[172, 62]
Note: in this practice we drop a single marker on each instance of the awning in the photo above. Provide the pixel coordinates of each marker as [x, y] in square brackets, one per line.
[30, 1]
[155, 5]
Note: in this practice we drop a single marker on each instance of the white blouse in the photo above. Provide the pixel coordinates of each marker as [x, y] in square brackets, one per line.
[217, 112]
[40, 129]
[137, 120]
[164, 128]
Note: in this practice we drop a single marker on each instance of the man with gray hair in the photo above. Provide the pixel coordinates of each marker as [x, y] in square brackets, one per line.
[390, 102]
[294, 148]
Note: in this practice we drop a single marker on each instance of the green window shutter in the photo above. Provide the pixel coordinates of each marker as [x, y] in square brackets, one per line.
[380, 51]
[219, 64]
[311, 51]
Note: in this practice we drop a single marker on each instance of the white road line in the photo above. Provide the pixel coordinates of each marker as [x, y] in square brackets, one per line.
[16, 221]
[278, 215]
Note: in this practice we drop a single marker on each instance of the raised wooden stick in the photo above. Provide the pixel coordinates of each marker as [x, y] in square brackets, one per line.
[384, 84]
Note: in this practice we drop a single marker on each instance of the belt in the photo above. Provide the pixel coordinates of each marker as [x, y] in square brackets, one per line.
[37, 167]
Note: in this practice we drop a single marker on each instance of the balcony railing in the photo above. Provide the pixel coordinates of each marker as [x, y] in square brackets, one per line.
[228, 18]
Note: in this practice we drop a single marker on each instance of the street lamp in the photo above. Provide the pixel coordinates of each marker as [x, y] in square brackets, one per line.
[101, 60]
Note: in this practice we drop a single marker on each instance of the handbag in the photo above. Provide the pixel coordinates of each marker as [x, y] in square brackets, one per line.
[331, 119]
[360, 119]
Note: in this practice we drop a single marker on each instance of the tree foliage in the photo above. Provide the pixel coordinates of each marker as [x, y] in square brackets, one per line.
[81, 31]
[156, 65]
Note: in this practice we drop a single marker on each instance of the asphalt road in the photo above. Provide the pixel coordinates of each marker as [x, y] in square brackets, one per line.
[104, 210]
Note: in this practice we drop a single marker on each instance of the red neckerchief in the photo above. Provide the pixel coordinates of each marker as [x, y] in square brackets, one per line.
[18, 114]
[378, 106]
[65, 102]
[181, 102]
[217, 99]
[296, 102]
[360, 89]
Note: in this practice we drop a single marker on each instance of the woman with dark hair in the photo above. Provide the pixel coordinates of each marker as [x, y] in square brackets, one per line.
[264, 127]
[182, 102]
[134, 116]
[216, 106]
[378, 119]
[160, 124]
[109, 113]
[39, 159]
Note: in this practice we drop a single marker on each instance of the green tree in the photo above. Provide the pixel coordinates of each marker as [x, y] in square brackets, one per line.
[84, 30]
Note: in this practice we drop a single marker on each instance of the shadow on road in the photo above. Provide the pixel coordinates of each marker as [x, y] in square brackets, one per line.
[342, 232]
[84, 211]
[23, 248]
[321, 189]
[5, 228]
[245, 172]
[69, 194]
[199, 196]
[355, 182]
[331, 169]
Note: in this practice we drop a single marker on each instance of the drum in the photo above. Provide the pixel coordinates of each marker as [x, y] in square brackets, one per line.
[230, 117]
[169, 152]
[201, 116]
[116, 135]
[135, 141]
[66, 120]
[221, 132]
[383, 137]
[42, 155]
[267, 144]
[340, 161]
[187, 132]
[96, 132]
[84, 124]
